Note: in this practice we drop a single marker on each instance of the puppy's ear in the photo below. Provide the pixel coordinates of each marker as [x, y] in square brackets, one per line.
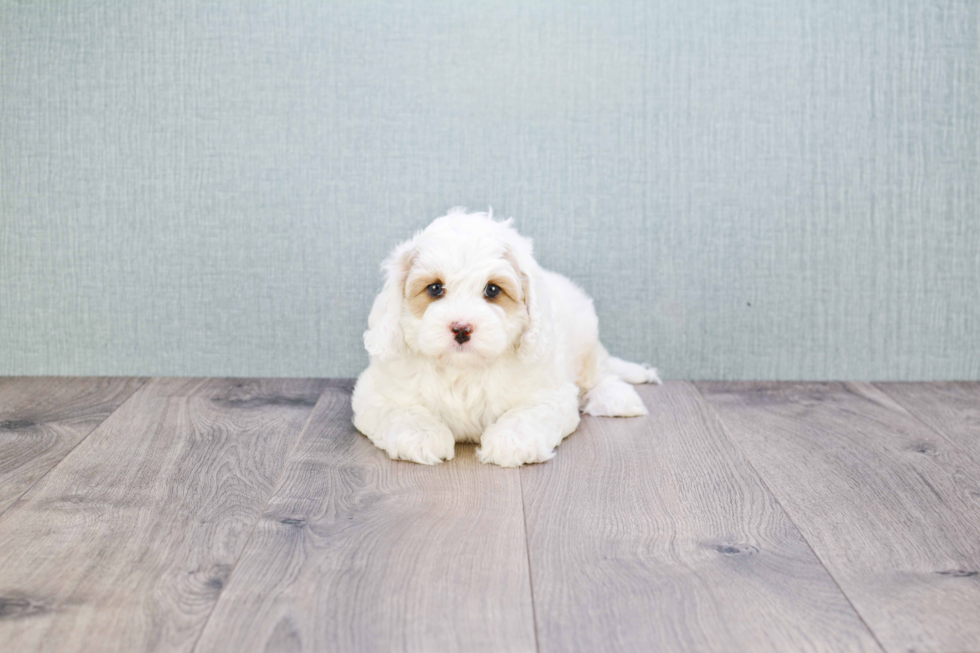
[536, 337]
[384, 338]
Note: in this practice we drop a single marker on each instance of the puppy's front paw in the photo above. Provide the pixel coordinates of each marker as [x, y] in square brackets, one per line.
[508, 446]
[420, 443]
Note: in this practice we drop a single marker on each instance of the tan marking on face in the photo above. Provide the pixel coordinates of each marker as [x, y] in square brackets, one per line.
[418, 297]
[509, 297]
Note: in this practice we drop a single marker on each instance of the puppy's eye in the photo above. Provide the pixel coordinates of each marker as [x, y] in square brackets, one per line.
[492, 290]
[435, 289]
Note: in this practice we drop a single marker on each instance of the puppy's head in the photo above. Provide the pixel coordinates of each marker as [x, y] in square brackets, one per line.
[461, 291]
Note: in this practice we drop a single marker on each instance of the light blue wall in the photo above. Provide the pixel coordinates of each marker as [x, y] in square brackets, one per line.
[755, 189]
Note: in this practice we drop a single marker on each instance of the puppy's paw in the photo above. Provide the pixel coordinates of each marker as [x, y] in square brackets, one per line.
[652, 375]
[635, 373]
[427, 444]
[508, 446]
[614, 398]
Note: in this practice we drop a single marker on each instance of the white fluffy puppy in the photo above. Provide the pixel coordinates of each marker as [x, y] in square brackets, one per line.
[472, 341]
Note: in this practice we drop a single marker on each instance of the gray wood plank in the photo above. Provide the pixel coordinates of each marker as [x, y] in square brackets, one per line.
[890, 507]
[43, 418]
[654, 534]
[952, 408]
[126, 544]
[360, 553]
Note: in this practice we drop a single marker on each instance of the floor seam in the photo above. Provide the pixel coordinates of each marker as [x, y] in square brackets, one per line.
[527, 551]
[940, 432]
[76, 445]
[265, 506]
[734, 443]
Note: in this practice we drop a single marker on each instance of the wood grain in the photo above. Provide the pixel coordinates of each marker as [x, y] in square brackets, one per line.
[43, 418]
[951, 408]
[360, 553]
[891, 508]
[654, 534]
[126, 545]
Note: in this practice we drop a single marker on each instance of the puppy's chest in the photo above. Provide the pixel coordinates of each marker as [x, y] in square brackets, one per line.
[467, 404]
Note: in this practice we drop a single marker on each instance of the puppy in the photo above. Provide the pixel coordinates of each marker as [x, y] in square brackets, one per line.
[471, 341]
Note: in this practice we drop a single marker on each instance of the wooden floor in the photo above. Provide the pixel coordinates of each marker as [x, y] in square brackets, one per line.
[249, 515]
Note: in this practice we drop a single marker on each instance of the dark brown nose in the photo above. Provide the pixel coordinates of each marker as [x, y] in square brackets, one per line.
[461, 331]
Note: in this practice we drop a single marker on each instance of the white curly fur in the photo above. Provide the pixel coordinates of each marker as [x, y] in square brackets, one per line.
[516, 386]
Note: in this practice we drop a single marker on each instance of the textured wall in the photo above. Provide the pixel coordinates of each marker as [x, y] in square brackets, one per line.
[755, 189]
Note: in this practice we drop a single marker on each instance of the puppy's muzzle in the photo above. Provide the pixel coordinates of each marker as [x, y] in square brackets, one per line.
[461, 332]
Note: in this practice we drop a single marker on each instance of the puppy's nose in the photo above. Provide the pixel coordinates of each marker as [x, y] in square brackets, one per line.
[461, 331]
